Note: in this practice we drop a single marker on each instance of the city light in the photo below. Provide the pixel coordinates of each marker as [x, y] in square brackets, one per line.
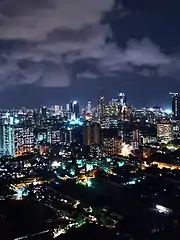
[81, 158]
[126, 150]
[168, 111]
[56, 164]
[76, 122]
[162, 209]
[89, 183]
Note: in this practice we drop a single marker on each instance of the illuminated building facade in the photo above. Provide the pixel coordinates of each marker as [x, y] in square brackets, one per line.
[57, 110]
[7, 146]
[122, 99]
[91, 134]
[107, 111]
[24, 140]
[136, 139]
[125, 113]
[164, 132]
[111, 146]
[113, 107]
[36, 118]
[101, 107]
[55, 136]
[176, 106]
[42, 136]
[74, 110]
[89, 107]
[125, 133]
[176, 130]
[68, 113]
[66, 135]
[109, 122]
[44, 112]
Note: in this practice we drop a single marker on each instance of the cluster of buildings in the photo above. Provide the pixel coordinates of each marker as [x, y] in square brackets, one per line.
[99, 148]
[104, 128]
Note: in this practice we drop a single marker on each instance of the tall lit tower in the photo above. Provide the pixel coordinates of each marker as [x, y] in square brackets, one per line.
[57, 110]
[113, 104]
[175, 105]
[7, 146]
[43, 112]
[74, 109]
[91, 134]
[68, 112]
[101, 107]
[89, 107]
[122, 99]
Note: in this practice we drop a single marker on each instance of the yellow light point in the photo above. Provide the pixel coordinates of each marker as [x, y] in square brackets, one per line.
[126, 150]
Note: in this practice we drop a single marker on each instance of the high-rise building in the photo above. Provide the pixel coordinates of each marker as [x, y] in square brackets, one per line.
[136, 139]
[55, 136]
[89, 107]
[125, 113]
[24, 140]
[36, 118]
[74, 109]
[7, 146]
[111, 145]
[57, 110]
[113, 105]
[91, 135]
[176, 106]
[18, 138]
[164, 132]
[68, 113]
[44, 112]
[42, 136]
[101, 107]
[122, 99]
[67, 107]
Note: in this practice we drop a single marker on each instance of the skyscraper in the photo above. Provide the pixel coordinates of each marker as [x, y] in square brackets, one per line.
[24, 140]
[68, 112]
[122, 99]
[164, 132]
[101, 107]
[91, 135]
[136, 139]
[113, 104]
[43, 111]
[176, 106]
[89, 107]
[7, 146]
[57, 110]
[111, 145]
[74, 109]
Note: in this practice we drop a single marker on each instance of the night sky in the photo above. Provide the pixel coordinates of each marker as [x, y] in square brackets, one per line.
[54, 51]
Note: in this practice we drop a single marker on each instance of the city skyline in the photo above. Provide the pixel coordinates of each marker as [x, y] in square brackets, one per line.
[89, 119]
[62, 51]
[48, 102]
[93, 102]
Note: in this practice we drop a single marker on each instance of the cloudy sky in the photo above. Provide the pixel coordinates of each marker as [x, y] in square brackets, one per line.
[53, 51]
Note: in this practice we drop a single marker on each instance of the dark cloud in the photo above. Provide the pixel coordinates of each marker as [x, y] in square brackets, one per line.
[45, 31]
[43, 42]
